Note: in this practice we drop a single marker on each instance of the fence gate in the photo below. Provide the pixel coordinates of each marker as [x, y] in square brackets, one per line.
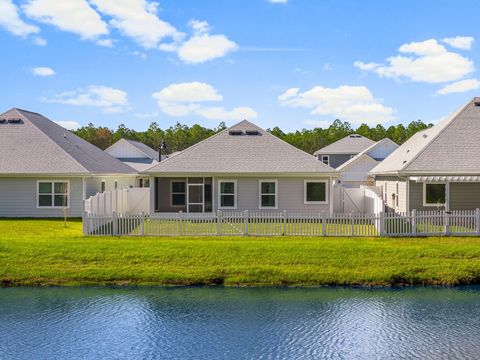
[353, 200]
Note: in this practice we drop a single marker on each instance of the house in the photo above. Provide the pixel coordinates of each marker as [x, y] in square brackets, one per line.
[437, 168]
[343, 150]
[136, 155]
[45, 169]
[354, 172]
[241, 168]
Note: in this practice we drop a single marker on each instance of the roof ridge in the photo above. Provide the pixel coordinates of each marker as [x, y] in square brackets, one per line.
[19, 111]
[453, 116]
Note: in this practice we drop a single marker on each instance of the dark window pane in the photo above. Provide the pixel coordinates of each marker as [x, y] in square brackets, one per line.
[178, 186]
[227, 200]
[195, 208]
[268, 188]
[146, 183]
[435, 193]
[178, 199]
[316, 191]
[44, 200]
[45, 188]
[268, 200]
[227, 188]
[103, 186]
[60, 200]
[208, 197]
[60, 188]
[195, 194]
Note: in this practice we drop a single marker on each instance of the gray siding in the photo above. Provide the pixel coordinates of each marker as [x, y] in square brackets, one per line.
[290, 194]
[18, 198]
[463, 196]
[337, 159]
[390, 184]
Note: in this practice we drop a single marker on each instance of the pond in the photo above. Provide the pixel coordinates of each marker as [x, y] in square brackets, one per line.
[239, 323]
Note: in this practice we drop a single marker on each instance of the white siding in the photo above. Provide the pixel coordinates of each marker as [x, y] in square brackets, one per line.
[93, 185]
[357, 172]
[390, 183]
[18, 198]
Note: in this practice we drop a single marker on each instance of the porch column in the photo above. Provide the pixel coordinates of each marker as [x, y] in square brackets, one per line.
[447, 196]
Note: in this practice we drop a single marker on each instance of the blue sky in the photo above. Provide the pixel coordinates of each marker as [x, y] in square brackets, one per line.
[293, 64]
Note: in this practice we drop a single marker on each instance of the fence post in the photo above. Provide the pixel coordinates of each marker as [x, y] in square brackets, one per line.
[382, 223]
[180, 222]
[477, 221]
[414, 222]
[324, 225]
[219, 222]
[284, 222]
[115, 224]
[352, 224]
[143, 224]
[446, 223]
[245, 223]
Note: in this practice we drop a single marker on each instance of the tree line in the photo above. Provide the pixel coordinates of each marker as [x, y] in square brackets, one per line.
[180, 137]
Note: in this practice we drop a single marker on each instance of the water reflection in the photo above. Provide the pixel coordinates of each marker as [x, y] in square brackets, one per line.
[219, 323]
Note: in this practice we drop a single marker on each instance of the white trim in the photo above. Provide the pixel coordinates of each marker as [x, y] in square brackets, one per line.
[185, 181]
[235, 190]
[260, 181]
[52, 194]
[327, 191]
[327, 157]
[424, 195]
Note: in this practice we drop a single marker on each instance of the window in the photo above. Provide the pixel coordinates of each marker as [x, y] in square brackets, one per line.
[103, 186]
[315, 192]
[434, 194]
[227, 194]
[326, 159]
[116, 184]
[396, 194]
[53, 194]
[268, 194]
[178, 192]
[385, 193]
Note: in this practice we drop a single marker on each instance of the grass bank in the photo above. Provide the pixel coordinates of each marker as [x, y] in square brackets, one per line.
[43, 252]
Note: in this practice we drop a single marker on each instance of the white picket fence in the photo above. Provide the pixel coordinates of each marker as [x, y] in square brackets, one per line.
[280, 223]
[119, 201]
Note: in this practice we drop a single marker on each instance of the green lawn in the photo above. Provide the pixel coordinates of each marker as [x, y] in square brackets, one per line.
[43, 252]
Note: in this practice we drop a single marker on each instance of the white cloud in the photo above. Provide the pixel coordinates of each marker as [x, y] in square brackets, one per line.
[460, 87]
[73, 15]
[43, 71]
[10, 20]
[138, 20]
[189, 99]
[324, 124]
[188, 92]
[429, 62]
[39, 41]
[105, 42]
[460, 42]
[202, 46]
[108, 99]
[355, 104]
[69, 125]
[278, 1]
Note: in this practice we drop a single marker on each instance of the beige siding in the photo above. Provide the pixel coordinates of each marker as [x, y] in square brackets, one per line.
[18, 198]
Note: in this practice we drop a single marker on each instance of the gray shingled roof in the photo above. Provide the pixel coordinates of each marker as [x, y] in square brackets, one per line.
[351, 144]
[451, 146]
[37, 145]
[147, 150]
[225, 153]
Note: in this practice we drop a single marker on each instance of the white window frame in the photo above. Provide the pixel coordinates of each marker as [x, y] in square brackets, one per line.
[397, 191]
[260, 182]
[327, 157]
[184, 193]
[425, 204]
[235, 190]
[305, 182]
[53, 194]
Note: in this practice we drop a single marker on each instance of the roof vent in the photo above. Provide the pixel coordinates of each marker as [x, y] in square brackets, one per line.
[236, 132]
[476, 102]
[355, 136]
[424, 136]
[14, 121]
[252, 132]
